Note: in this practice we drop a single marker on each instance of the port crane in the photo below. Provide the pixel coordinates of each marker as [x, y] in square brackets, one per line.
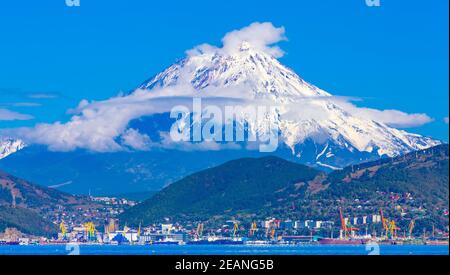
[63, 229]
[345, 226]
[111, 227]
[385, 223]
[235, 229]
[90, 230]
[411, 227]
[389, 226]
[393, 229]
[272, 233]
[253, 229]
[126, 229]
[199, 231]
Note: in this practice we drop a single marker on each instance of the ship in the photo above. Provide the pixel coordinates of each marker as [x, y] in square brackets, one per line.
[227, 242]
[216, 241]
[341, 241]
[258, 242]
[198, 242]
[9, 243]
[166, 241]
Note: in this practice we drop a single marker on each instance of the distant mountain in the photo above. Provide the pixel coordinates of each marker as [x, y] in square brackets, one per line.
[415, 185]
[31, 208]
[79, 172]
[9, 146]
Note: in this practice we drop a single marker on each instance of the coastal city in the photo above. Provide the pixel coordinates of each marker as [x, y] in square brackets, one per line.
[270, 231]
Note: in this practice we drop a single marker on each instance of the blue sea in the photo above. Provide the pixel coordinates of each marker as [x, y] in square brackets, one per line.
[223, 250]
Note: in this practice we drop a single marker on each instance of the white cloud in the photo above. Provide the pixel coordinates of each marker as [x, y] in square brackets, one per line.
[392, 118]
[136, 140]
[102, 126]
[94, 126]
[168, 143]
[26, 104]
[42, 95]
[446, 119]
[261, 36]
[6, 114]
[395, 118]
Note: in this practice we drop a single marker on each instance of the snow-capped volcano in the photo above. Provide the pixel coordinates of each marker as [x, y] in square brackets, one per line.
[257, 70]
[9, 146]
[315, 125]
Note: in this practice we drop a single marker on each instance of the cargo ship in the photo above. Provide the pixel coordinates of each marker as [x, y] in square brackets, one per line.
[341, 241]
[197, 242]
[437, 242]
[216, 241]
[228, 242]
[166, 241]
[9, 243]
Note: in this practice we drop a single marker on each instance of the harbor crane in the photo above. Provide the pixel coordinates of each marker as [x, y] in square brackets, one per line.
[63, 229]
[199, 231]
[272, 233]
[385, 223]
[346, 227]
[126, 229]
[235, 229]
[253, 229]
[393, 229]
[90, 230]
[411, 228]
[389, 226]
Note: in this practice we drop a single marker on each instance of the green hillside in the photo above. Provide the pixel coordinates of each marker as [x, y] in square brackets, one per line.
[414, 186]
[244, 185]
[31, 208]
[26, 221]
[406, 187]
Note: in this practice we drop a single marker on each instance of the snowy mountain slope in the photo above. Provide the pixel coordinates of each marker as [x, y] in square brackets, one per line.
[10, 146]
[262, 73]
[326, 121]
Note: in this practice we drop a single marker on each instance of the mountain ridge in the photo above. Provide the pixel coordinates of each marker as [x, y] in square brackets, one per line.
[32, 209]
[217, 182]
[418, 185]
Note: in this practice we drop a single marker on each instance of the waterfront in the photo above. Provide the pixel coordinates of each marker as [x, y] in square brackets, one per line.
[223, 249]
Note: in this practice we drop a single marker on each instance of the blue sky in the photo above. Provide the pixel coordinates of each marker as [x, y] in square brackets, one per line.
[52, 56]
